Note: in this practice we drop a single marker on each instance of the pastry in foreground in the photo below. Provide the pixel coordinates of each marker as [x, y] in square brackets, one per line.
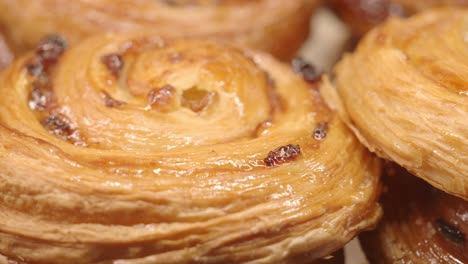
[138, 149]
[363, 15]
[278, 27]
[420, 225]
[404, 94]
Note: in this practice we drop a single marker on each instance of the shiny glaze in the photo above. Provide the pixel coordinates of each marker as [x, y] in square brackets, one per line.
[175, 174]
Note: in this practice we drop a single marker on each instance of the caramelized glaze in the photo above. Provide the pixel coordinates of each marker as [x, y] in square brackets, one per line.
[83, 182]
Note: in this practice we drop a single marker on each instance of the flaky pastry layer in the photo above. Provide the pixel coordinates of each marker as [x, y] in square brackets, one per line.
[137, 149]
[404, 93]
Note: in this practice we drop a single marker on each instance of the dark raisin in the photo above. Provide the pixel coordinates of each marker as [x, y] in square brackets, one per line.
[51, 48]
[111, 102]
[38, 98]
[34, 69]
[58, 125]
[197, 99]
[114, 64]
[162, 98]
[282, 154]
[450, 232]
[320, 131]
[307, 70]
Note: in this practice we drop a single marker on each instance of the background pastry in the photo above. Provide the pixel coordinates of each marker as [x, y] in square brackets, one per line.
[278, 27]
[421, 224]
[403, 92]
[138, 149]
[362, 15]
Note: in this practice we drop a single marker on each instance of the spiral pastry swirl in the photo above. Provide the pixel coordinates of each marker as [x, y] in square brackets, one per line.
[421, 224]
[278, 27]
[403, 92]
[137, 149]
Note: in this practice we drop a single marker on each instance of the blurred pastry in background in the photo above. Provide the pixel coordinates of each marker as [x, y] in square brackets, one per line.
[420, 225]
[362, 15]
[278, 27]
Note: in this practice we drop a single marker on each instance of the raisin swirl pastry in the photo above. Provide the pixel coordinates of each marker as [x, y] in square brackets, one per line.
[404, 93]
[278, 27]
[362, 15]
[421, 224]
[137, 149]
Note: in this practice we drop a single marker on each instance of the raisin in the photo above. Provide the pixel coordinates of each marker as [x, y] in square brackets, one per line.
[307, 70]
[111, 102]
[162, 98]
[282, 154]
[320, 131]
[38, 98]
[58, 125]
[35, 69]
[51, 48]
[114, 63]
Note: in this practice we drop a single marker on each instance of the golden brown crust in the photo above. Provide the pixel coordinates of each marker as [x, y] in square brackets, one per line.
[363, 15]
[276, 27]
[420, 224]
[403, 92]
[145, 150]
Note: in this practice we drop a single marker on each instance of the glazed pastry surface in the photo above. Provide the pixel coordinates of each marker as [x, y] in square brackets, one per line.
[137, 149]
[420, 225]
[278, 27]
[404, 93]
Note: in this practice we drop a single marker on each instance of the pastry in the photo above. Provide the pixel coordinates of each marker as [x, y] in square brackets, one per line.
[420, 224]
[278, 27]
[134, 148]
[362, 15]
[404, 94]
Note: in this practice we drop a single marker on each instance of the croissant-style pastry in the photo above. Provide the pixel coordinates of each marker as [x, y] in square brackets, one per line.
[404, 94]
[362, 15]
[420, 225]
[6, 55]
[278, 27]
[138, 149]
